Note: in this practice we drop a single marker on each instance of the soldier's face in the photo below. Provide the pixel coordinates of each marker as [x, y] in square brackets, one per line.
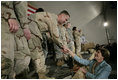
[63, 18]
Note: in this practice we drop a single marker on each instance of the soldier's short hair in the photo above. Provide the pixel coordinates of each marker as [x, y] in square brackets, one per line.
[65, 12]
[40, 10]
[74, 28]
[105, 53]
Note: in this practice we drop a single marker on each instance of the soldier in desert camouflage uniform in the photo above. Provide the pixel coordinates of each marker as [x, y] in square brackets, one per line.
[76, 36]
[70, 42]
[69, 38]
[44, 22]
[60, 56]
[13, 29]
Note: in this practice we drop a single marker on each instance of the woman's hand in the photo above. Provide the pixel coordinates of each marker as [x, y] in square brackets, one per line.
[83, 70]
[71, 53]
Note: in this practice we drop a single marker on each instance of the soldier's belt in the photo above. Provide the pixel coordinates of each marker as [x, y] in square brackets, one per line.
[44, 32]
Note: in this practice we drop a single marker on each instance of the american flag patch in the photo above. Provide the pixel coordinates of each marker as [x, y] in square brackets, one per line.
[31, 9]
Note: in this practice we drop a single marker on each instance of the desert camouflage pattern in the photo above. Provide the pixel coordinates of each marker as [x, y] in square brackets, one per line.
[13, 45]
[42, 23]
[76, 35]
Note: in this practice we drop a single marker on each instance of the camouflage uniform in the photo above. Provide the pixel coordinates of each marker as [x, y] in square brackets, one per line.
[70, 39]
[42, 22]
[59, 54]
[22, 52]
[13, 42]
[70, 43]
[76, 35]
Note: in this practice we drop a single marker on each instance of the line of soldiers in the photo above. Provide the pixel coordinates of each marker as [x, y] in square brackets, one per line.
[24, 38]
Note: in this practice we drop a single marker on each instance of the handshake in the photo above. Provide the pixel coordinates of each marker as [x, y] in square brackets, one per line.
[65, 50]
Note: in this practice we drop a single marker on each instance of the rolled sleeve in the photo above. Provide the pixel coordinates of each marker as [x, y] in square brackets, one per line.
[54, 31]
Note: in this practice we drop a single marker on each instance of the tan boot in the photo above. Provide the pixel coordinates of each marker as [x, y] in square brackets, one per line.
[43, 76]
[60, 62]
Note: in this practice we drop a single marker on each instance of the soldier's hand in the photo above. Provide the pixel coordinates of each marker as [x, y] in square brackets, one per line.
[27, 33]
[65, 49]
[13, 25]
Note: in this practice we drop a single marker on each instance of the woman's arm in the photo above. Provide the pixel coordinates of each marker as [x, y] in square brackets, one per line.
[78, 59]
